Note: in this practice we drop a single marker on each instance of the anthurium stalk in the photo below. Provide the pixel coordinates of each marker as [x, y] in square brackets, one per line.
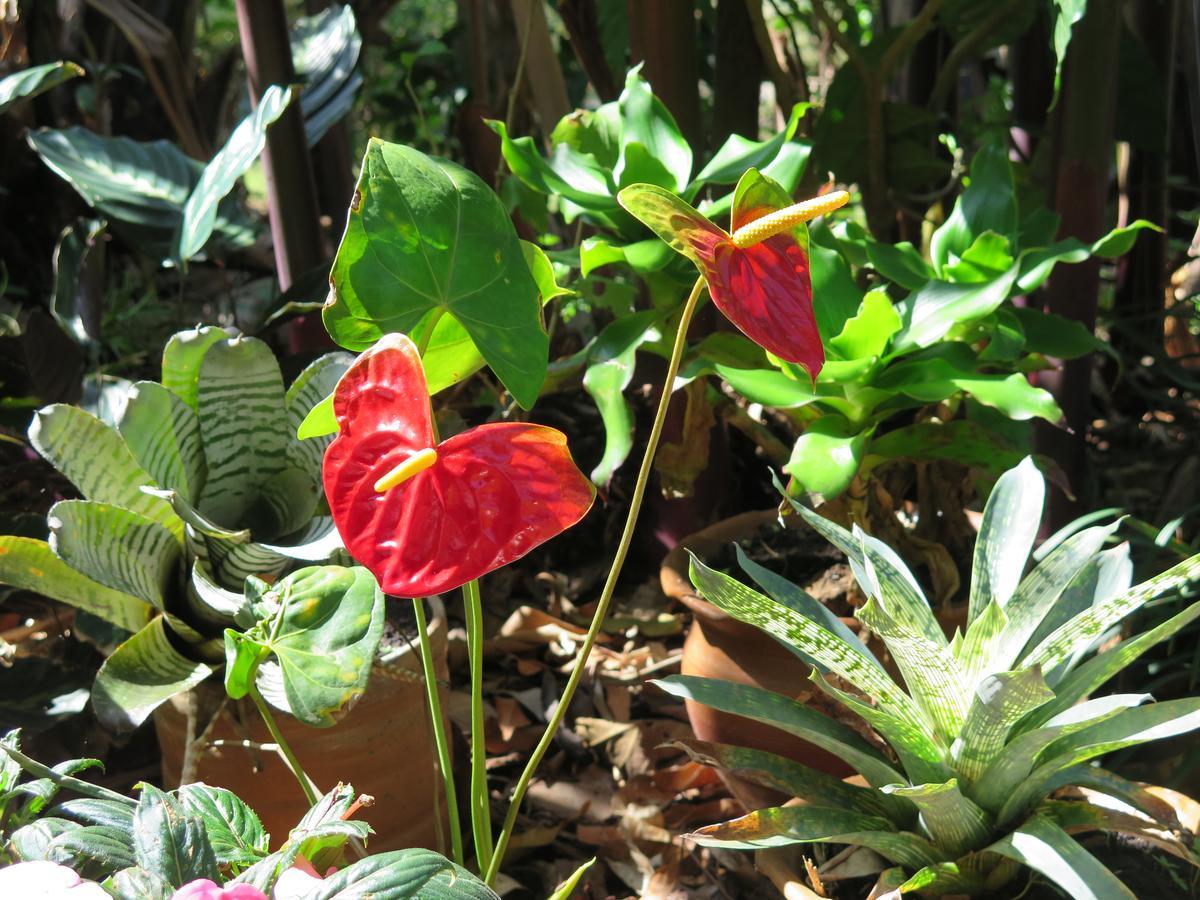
[779, 226]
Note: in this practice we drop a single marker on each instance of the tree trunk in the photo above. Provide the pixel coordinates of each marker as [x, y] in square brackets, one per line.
[662, 35]
[739, 74]
[1084, 154]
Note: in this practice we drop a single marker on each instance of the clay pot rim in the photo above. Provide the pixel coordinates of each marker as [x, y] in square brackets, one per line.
[407, 655]
[673, 572]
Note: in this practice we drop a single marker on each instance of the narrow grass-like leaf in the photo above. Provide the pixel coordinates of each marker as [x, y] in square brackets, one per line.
[802, 635]
[1043, 846]
[97, 461]
[1006, 533]
[116, 547]
[27, 83]
[1001, 700]
[787, 715]
[163, 433]
[1102, 668]
[783, 825]
[955, 823]
[1081, 631]
[784, 775]
[32, 566]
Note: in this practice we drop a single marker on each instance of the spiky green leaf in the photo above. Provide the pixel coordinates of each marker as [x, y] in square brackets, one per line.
[1010, 522]
[1043, 846]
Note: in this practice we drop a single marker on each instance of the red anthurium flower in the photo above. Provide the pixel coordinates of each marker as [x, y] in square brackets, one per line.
[757, 276]
[424, 516]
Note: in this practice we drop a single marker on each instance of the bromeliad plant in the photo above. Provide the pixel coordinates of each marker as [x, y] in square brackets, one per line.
[990, 726]
[199, 486]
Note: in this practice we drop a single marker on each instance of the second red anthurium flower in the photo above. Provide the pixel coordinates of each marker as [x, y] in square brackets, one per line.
[425, 517]
[758, 276]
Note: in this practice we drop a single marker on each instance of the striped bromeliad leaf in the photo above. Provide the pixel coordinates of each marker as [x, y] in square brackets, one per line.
[201, 484]
[989, 726]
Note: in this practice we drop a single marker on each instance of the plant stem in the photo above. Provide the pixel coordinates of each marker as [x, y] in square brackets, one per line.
[481, 808]
[439, 729]
[306, 783]
[635, 506]
[79, 786]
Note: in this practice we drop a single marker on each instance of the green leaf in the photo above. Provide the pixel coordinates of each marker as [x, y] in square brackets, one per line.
[311, 389]
[233, 829]
[1036, 265]
[118, 548]
[1000, 701]
[1006, 534]
[426, 234]
[31, 565]
[932, 310]
[1053, 335]
[163, 433]
[648, 125]
[900, 263]
[318, 421]
[956, 824]
[800, 634]
[837, 297]
[94, 852]
[567, 889]
[610, 368]
[93, 811]
[960, 440]
[169, 842]
[142, 673]
[401, 875]
[542, 271]
[787, 715]
[738, 154]
[1066, 14]
[1119, 241]
[786, 170]
[826, 457]
[784, 825]
[1046, 848]
[1085, 628]
[784, 775]
[226, 167]
[325, 49]
[1101, 668]
[28, 83]
[182, 357]
[868, 332]
[570, 174]
[97, 461]
[989, 203]
[32, 841]
[987, 258]
[324, 636]
[243, 423]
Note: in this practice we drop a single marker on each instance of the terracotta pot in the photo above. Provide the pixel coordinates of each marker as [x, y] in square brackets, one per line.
[383, 746]
[719, 646]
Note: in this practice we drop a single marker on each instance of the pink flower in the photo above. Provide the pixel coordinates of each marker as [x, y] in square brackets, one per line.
[41, 880]
[204, 889]
[298, 881]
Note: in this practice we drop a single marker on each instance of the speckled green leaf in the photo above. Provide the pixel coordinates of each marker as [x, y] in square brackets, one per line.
[1000, 701]
[955, 823]
[1010, 522]
[1043, 846]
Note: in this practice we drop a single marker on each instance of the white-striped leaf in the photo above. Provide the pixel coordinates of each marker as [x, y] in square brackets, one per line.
[1013, 766]
[116, 547]
[883, 575]
[1082, 631]
[243, 424]
[285, 503]
[783, 591]
[1102, 668]
[954, 823]
[922, 757]
[97, 461]
[141, 674]
[211, 602]
[785, 775]
[930, 671]
[787, 715]
[1128, 728]
[973, 649]
[1001, 700]
[1076, 817]
[803, 635]
[1010, 523]
[198, 525]
[1044, 847]
[1103, 577]
[311, 386]
[317, 541]
[182, 357]
[225, 168]
[163, 433]
[31, 565]
[783, 825]
[231, 564]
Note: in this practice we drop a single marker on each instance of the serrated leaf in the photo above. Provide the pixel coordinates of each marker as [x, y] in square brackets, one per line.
[32, 841]
[136, 883]
[93, 811]
[403, 875]
[94, 851]
[233, 828]
[170, 843]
